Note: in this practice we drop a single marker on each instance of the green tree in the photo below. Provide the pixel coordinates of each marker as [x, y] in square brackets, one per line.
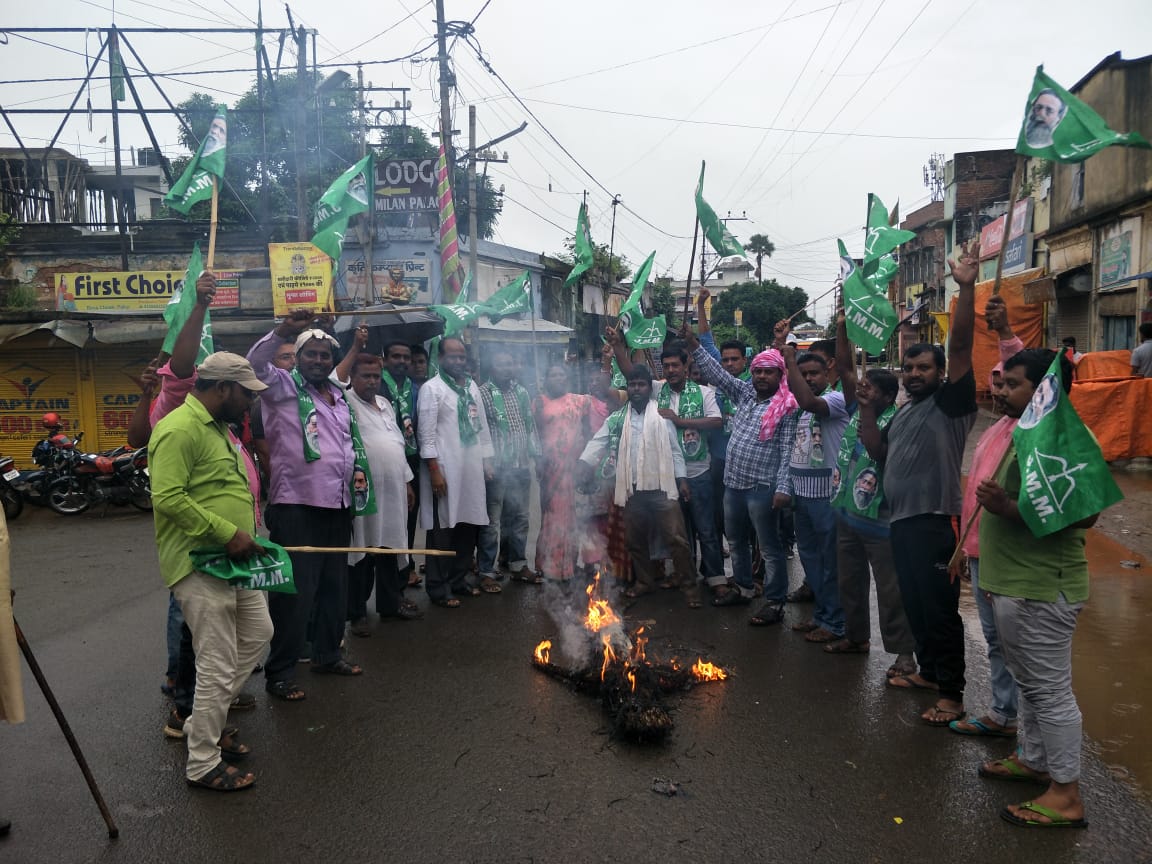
[762, 305]
[328, 143]
[760, 246]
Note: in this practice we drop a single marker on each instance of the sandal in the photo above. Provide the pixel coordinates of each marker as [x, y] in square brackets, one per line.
[340, 667]
[414, 580]
[527, 576]
[806, 626]
[909, 682]
[937, 716]
[769, 614]
[230, 748]
[635, 594]
[466, 591]
[731, 597]
[361, 628]
[1010, 769]
[1055, 820]
[243, 702]
[446, 602]
[223, 778]
[490, 586]
[289, 691]
[898, 669]
[847, 646]
[820, 636]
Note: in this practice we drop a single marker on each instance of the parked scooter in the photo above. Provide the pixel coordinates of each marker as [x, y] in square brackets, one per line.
[10, 496]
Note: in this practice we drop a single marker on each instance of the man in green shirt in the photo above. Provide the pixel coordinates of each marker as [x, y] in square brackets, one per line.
[201, 499]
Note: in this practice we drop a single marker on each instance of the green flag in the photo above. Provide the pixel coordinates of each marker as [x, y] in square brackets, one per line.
[717, 232]
[116, 72]
[513, 298]
[1059, 126]
[869, 317]
[582, 250]
[457, 316]
[1064, 477]
[199, 178]
[180, 307]
[882, 238]
[346, 197]
[641, 332]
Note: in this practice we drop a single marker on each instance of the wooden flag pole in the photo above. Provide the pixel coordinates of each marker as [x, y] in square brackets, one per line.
[212, 223]
[691, 264]
[1013, 190]
[372, 550]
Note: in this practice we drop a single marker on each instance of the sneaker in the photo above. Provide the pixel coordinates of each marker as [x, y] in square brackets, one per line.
[174, 726]
[803, 594]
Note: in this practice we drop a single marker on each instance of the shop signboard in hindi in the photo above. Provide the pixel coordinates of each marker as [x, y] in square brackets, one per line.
[406, 186]
[402, 282]
[301, 278]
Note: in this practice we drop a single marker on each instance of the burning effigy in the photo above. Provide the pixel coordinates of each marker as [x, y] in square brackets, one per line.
[616, 667]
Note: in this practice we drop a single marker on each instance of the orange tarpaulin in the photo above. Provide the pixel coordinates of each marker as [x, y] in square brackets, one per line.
[1116, 410]
[1027, 322]
[1104, 364]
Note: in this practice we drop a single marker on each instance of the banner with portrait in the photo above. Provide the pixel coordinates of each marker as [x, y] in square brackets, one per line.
[301, 278]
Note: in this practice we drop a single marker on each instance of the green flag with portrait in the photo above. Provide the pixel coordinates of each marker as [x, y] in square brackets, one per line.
[206, 168]
[582, 251]
[638, 331]
[180, 307]
[868, 316]
[1063, 476]
[1060, 127]
[348, 195]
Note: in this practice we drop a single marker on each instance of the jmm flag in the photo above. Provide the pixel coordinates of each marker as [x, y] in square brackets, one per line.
[205, 169]
[868, 316]
[1059, 126]
[457, 316]
[346, 197]
[882, 237]
[717, 232]
[582, 248]
[180, 307]
[641, 332]
[513, 298]
[1063, 475]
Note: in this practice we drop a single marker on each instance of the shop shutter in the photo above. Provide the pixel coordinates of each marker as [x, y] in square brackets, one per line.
[114, 371]
[1072, 319]
[36, 377]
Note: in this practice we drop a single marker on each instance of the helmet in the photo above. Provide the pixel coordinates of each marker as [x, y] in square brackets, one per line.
[50, 419]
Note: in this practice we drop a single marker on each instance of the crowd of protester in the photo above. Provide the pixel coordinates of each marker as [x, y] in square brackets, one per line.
[703, 453]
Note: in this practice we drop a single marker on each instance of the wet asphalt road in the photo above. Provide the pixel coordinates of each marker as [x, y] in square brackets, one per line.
[453, 748]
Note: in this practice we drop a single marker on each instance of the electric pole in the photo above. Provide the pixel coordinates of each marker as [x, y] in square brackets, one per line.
[301, 99]
[447, 82]
[473, 221]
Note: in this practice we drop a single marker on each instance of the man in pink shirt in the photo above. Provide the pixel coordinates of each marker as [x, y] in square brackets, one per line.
[1000, 721]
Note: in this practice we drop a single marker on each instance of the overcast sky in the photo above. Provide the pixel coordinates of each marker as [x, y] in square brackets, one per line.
[800, 108]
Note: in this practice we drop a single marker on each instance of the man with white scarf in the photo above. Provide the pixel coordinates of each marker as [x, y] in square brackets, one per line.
[650, 476]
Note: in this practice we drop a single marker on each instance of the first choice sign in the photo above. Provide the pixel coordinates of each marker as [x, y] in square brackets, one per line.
[406, 186]
[126, 292]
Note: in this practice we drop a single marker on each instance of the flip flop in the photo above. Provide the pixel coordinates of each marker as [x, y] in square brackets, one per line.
[847, 646]
[939, 713]
[1014, 772]
[1057, 821]
[340, 667]
[909, 684]
[979, 726]
[446, 602]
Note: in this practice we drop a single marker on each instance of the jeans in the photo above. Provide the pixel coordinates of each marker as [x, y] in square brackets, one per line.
[816, 543]
[749, 515]
[175, 622]
[698, 513]
[1004, 692]
[1037, 640]
[507, 496]
[230, 628]
[921, 549]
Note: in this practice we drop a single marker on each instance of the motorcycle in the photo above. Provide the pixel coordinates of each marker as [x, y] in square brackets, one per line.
[10, 496]
[117, 477]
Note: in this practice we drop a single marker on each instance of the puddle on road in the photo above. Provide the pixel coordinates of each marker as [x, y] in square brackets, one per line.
[1109, 654]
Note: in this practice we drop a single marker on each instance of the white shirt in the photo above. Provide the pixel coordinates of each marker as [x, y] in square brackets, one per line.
[711, 409]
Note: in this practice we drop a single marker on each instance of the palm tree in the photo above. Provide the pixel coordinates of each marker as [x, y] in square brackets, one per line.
[760, 246]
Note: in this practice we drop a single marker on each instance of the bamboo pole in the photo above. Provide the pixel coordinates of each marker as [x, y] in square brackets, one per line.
[212, 223]
[373, 550]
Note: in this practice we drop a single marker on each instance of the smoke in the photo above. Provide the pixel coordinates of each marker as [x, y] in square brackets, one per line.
[568, 604]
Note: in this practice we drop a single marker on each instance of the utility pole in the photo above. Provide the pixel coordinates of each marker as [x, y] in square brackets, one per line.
[370, 217]
[301, 100]
[118, 196]
[447, 82]
[473, 220]
[612, 242]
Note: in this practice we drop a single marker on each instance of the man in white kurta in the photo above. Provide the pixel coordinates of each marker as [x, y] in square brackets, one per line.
[456, 458]
[390, 477]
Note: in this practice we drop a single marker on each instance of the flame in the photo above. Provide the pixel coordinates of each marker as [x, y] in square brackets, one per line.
[637, 655]
[675, 663]
[544, 651]
[600, 613]
[609, 657]
[703, 671]
[631, 679]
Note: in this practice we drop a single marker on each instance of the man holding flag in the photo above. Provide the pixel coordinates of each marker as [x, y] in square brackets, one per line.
[921, 450]
[1051, 486]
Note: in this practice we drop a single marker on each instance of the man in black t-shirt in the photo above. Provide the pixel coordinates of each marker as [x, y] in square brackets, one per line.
[921, 451]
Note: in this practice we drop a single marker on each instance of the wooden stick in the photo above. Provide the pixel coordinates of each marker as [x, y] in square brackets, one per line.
[1017, 179]
[373, 550]
[377, 311]
[835, 287]
[212, 223]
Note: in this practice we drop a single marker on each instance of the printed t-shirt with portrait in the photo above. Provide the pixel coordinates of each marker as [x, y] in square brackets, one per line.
[816, 446]
[693, 442]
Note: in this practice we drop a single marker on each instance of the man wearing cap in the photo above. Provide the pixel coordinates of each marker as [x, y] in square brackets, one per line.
[310, 439]
[201, 499]
[756, 474]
